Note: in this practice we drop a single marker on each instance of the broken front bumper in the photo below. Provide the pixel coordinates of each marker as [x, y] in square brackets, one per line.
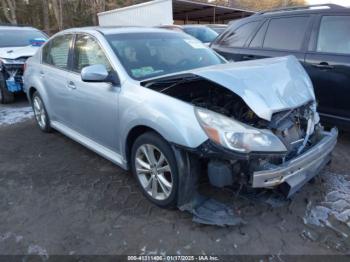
[294, 173]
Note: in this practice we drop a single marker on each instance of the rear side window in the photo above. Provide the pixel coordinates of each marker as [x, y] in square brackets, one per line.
[286, 33]
[259, 37]
[239, 36]
[56, 51]
[334, 35]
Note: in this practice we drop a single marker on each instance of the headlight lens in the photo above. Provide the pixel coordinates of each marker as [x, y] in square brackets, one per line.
[236, 135]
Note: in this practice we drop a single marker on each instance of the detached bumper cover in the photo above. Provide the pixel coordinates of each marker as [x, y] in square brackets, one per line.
[14, 82]
[296, 172]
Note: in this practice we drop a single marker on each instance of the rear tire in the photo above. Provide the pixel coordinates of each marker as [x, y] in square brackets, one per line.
[154, 166]
[6, 97]
[40, 113]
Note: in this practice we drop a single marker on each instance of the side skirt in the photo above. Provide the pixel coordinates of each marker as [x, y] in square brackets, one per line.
[92, 145]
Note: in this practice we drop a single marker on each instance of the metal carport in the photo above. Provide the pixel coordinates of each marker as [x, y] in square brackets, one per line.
[165, 12]
[185, 11]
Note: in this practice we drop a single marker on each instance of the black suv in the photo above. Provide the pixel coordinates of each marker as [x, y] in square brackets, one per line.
[319, 36]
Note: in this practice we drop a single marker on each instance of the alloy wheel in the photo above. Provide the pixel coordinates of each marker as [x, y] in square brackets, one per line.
[154, 172]
[39, 112]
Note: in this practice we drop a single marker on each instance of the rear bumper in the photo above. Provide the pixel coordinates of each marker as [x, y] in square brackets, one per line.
[293, 174]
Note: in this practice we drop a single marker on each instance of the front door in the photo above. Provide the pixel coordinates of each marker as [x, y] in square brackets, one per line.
[94, 106]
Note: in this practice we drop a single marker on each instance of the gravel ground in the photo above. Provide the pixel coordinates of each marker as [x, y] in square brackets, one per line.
[56, 197]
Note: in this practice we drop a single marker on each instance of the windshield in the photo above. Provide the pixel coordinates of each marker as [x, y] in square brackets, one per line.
[204, 34]
[18, 37]
[154, 54]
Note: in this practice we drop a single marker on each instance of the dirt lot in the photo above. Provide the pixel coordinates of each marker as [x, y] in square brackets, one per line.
[56, 197]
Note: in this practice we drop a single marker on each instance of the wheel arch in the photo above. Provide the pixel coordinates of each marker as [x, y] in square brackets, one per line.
[35, 86]
[31, 92]
[132, 135]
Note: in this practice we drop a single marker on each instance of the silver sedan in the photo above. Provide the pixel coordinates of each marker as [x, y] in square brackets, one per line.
[165, 106]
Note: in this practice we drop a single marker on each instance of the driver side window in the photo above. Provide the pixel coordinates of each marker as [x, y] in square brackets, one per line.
[88, 52]
[56, 51]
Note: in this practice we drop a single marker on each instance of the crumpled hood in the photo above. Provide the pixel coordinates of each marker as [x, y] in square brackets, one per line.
[266, 85]
[16, 52]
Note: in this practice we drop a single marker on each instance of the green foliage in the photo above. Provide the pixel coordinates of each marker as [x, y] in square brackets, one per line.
[258, 5]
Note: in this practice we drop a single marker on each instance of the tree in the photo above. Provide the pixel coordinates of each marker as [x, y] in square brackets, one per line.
[46, 17]
[57, 7]
[264, 4]
[96, 7]
[9, 10]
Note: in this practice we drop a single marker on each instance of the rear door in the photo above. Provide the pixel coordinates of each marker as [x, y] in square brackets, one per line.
[53, 72]
[280, 36]
[328, 64]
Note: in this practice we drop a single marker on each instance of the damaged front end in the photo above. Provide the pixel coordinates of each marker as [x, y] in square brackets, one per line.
[259, 136]
[285, 152]
[307, 150]
[12, 70]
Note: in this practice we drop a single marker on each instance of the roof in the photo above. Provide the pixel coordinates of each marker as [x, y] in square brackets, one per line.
[107, 30]
[16, 27]
[321, 8]
[217, 25]
[194, 25]
[199, 11]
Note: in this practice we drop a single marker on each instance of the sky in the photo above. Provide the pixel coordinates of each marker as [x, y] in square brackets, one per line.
[339, 2]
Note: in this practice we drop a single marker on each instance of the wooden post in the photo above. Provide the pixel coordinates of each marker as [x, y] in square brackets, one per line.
[214, 15]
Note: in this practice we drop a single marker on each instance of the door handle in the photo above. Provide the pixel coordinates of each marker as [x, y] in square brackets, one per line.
[323, 65]
[41, 73]
[248, 57]
[71, 85]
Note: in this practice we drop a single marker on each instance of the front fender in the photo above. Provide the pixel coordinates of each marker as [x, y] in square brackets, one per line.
[173, 119]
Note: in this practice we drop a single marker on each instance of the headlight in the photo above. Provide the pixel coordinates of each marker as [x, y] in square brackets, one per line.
[236, 135]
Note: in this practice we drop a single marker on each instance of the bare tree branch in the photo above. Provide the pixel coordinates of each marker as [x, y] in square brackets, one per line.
[57, 10]
[9, 10]
[46, 18]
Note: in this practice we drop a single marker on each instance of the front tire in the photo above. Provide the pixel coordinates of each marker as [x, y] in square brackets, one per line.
[6, 97]
[154, 166]
[40, 113]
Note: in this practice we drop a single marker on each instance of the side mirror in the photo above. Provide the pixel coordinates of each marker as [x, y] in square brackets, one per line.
[94, 73]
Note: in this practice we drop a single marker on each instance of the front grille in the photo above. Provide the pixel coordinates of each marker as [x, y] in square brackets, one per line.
[19, 79]
[13, 66]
